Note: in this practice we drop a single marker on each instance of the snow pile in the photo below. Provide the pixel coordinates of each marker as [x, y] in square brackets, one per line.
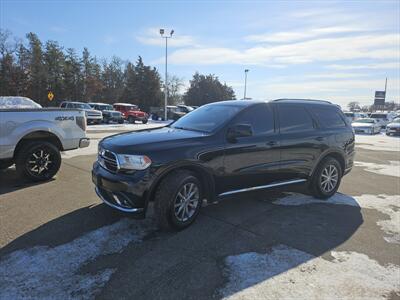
[386, 204]
[53, 273]
[390, 170]
[17, 103]
[288, 273]
[378, 142]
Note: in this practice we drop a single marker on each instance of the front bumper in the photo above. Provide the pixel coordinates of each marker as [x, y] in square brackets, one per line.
[125, 192]
[84, 142]
[392, 130]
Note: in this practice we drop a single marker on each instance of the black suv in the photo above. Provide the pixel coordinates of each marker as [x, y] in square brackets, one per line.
[222, 149]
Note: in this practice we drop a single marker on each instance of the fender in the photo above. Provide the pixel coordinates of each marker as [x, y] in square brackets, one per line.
[207, 178]
[33, 126]
[335, 151]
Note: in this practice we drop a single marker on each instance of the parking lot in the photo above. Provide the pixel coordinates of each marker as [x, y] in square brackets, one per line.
[59, 241]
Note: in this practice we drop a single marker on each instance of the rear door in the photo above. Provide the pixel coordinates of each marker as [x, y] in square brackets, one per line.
[301, 140]
[252, 161]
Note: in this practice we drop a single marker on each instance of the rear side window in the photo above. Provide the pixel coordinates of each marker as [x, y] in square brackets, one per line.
[328, 117]
[294, 119]
[260, 117]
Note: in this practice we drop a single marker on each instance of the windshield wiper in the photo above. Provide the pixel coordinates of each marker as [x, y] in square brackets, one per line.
[189, 129]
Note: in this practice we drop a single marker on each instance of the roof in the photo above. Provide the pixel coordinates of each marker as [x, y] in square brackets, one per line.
[98, 103]
[126, 104]
[303, 101]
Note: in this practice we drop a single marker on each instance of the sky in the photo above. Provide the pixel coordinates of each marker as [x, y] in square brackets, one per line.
[340, 51]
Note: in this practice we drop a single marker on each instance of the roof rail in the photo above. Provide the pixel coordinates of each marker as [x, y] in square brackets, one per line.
[311, 100]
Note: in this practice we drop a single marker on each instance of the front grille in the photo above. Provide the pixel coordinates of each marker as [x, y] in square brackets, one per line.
[108, 160]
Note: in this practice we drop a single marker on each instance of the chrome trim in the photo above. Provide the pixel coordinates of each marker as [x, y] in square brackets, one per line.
[262, 187]
[84, 142]
[130, 210]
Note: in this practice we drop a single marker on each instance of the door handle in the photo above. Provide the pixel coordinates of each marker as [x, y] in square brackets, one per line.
[272, 143]
[320, 138]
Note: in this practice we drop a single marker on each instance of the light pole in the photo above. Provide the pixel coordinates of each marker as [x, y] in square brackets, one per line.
[166, 70]
[245, 83]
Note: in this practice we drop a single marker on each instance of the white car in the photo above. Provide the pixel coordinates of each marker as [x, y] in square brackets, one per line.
[393, 127]
[381, 118]
[366, 125]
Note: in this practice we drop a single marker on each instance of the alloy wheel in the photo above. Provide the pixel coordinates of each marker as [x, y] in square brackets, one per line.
[39, 163]
[186, 201]
[329, 178]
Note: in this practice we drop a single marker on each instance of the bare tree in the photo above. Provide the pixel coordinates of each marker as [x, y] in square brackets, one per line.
[354, 105]
[175, 85]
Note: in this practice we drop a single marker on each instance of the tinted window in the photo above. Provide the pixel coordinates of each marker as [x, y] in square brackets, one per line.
[207, 118]
[328, 117]
[260, 117]
[294, 119]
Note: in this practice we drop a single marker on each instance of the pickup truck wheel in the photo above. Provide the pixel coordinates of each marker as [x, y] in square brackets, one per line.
[326, 179]
[178, 200]
[144, 121]
[6, 164]
[38, 161]
[131, 119]
[120, 121]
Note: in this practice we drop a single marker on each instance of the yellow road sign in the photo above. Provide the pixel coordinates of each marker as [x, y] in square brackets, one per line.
[50, 96]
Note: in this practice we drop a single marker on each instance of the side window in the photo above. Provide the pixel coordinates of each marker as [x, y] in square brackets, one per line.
[293, 118]
[69, 105]
[63, 105]
[328, 117]
[260, 117]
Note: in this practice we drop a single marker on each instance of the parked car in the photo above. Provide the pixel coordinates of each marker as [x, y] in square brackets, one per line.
[32, 138]
[131, 112]
[185, 108]
[393, 127]
[366, 125]
[109, 114]
[221, 149]
[92, 116]
[381, 118]
[173, 113]
[352, 116]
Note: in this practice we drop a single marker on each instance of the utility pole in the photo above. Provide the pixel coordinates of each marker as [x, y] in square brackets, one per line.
[166, 70]
[245, 83]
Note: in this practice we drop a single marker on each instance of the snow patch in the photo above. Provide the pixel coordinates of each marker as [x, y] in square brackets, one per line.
[288, 273]
[53, 273]
[379, 142]
[386, 204]
[391, 170]
[10, 102]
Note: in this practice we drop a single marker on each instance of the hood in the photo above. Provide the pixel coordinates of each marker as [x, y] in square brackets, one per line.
[110, 111]
[393, 125]
[356, 124]
[137, 142]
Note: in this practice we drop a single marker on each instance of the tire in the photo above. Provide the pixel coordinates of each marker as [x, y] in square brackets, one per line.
[120, 121]
[167, 196]
[31, 152]
[6, 164]
[322, 190]
[131, 120]
[145, 121]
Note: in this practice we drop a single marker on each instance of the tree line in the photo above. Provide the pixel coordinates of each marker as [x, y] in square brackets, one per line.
[32, 68]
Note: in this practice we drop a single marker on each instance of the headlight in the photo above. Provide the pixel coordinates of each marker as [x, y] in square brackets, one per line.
[133, 162]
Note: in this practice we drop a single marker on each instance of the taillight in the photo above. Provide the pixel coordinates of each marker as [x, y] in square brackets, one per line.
[81, 122]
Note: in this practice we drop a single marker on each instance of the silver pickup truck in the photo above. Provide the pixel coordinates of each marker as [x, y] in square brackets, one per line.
[32, 138]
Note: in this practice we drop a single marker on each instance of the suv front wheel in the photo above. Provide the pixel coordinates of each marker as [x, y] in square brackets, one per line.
[326, 179]
[178, 200]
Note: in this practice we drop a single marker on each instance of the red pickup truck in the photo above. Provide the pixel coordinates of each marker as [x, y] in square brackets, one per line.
[131, 112]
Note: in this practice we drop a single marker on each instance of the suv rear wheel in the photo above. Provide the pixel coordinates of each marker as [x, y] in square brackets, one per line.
[178, 200]
[38, 161]
[326, 179]
[131, 119]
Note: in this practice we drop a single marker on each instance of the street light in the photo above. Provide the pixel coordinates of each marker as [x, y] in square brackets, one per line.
[245, 83]
[166, 70]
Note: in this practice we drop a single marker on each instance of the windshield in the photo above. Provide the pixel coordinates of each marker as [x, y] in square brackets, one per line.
[349, 114]
[365, 121]
[81, 105]
[397, 120]
[104, 107]
[378, 116]
[207, 118]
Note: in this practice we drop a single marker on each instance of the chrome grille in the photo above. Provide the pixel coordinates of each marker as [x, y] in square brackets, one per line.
[108, 160]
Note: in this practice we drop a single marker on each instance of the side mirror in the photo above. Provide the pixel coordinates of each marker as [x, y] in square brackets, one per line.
[238, 131]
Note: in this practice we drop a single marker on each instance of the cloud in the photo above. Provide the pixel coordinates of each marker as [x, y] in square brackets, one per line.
[152, 37]
[383, 66]
[383, 46]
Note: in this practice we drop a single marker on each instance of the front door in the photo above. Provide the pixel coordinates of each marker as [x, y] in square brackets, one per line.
[251, 161]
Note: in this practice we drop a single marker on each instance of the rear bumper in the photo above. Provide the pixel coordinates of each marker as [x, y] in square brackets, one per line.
[84, 142]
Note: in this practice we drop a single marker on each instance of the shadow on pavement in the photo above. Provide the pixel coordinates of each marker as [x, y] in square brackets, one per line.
[10, 182]
[192, 263]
